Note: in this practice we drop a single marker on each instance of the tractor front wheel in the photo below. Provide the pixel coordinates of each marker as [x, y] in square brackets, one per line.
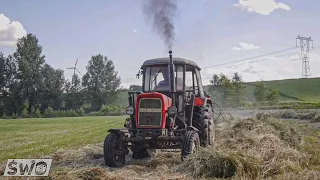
[114, 153]
[191, 144]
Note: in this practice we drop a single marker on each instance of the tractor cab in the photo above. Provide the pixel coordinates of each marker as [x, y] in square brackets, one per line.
[171, 112]
[156, 76]
[187, 81]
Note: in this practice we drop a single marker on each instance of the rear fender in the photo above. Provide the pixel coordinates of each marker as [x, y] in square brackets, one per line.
[202, 101]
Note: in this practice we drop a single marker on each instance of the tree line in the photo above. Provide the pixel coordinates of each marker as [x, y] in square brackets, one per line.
[29, 86]
[232, 92]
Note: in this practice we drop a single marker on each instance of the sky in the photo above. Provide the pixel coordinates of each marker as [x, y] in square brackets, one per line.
[208, 32]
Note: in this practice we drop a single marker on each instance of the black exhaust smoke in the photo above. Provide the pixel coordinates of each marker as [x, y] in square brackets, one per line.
[161, 13]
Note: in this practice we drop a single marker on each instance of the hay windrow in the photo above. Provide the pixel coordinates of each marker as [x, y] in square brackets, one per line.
[251, 148]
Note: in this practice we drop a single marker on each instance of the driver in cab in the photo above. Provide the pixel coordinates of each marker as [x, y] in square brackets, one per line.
[164, 85]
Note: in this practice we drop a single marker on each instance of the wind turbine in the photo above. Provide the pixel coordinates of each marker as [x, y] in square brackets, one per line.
[75, 68]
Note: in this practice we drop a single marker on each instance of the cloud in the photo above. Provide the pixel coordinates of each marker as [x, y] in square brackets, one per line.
[10, 31]
[264, 7]
[244, 46]
[134, 30]
[235, 48]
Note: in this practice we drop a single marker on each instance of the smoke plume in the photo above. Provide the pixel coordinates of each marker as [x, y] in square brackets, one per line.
[161, 13]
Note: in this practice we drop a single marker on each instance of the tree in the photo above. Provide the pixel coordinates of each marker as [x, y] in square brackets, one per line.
[101, 81]
[215, 80]
[135, 88]
[260, 92]
[30, 61]
[74, 94]
[52, 87]
[10, 100]
[228, 91]
[239, 88]
[222, 90]
[2, 82]
[2, 71]
[273, 96]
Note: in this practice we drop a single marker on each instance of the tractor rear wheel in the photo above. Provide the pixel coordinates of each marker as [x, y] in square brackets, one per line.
[203, 121]
[191, 144]
[114, 153]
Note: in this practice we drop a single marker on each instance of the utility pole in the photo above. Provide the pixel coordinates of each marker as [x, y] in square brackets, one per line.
[305, 47]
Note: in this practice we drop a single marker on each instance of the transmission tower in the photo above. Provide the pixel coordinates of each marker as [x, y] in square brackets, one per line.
[305, 47]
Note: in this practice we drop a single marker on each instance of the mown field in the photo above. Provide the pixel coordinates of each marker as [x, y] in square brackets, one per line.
[30, 138]
[260, 147]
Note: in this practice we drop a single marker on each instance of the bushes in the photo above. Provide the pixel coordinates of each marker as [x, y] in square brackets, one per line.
[109, 110]
[38, 113]
[49, 113]
[24, 113]
[80, 112]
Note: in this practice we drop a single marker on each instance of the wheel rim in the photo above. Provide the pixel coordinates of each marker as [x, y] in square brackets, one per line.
[118, 150]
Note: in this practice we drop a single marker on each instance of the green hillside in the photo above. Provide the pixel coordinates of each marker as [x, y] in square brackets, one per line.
[289, 90]
[293, 89]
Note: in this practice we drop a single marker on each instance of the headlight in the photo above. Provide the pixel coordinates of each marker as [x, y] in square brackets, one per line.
[129, 110]
[172, 111]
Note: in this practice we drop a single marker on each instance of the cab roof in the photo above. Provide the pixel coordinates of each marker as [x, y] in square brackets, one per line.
[165, 61]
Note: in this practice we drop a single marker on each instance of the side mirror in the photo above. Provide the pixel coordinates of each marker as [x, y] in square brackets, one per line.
[139, 73]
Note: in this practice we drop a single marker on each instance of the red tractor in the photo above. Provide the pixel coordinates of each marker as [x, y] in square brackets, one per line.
[172, 112]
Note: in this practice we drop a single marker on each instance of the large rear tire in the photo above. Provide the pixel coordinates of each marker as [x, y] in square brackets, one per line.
[114, 153]
[203, 120]
[211, 127]
[191, 144]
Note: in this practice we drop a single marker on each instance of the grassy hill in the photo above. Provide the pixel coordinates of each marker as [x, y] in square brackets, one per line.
[289, 90]
[292, 89]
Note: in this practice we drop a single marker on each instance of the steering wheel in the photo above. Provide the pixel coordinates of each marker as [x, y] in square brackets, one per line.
[190, 90]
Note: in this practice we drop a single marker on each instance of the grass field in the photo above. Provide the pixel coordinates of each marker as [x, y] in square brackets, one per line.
[255, 148]
[30, 138]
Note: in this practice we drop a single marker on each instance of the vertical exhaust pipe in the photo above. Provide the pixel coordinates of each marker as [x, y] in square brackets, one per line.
[172, 79]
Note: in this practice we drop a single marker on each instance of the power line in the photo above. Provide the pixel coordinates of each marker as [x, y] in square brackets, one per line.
[264, 59]
[244, 59]
[240, 60]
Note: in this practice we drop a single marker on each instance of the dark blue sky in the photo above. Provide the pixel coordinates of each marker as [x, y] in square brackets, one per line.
[206, 30]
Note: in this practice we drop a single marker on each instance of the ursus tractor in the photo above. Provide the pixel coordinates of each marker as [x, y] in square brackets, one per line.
[172, 112]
